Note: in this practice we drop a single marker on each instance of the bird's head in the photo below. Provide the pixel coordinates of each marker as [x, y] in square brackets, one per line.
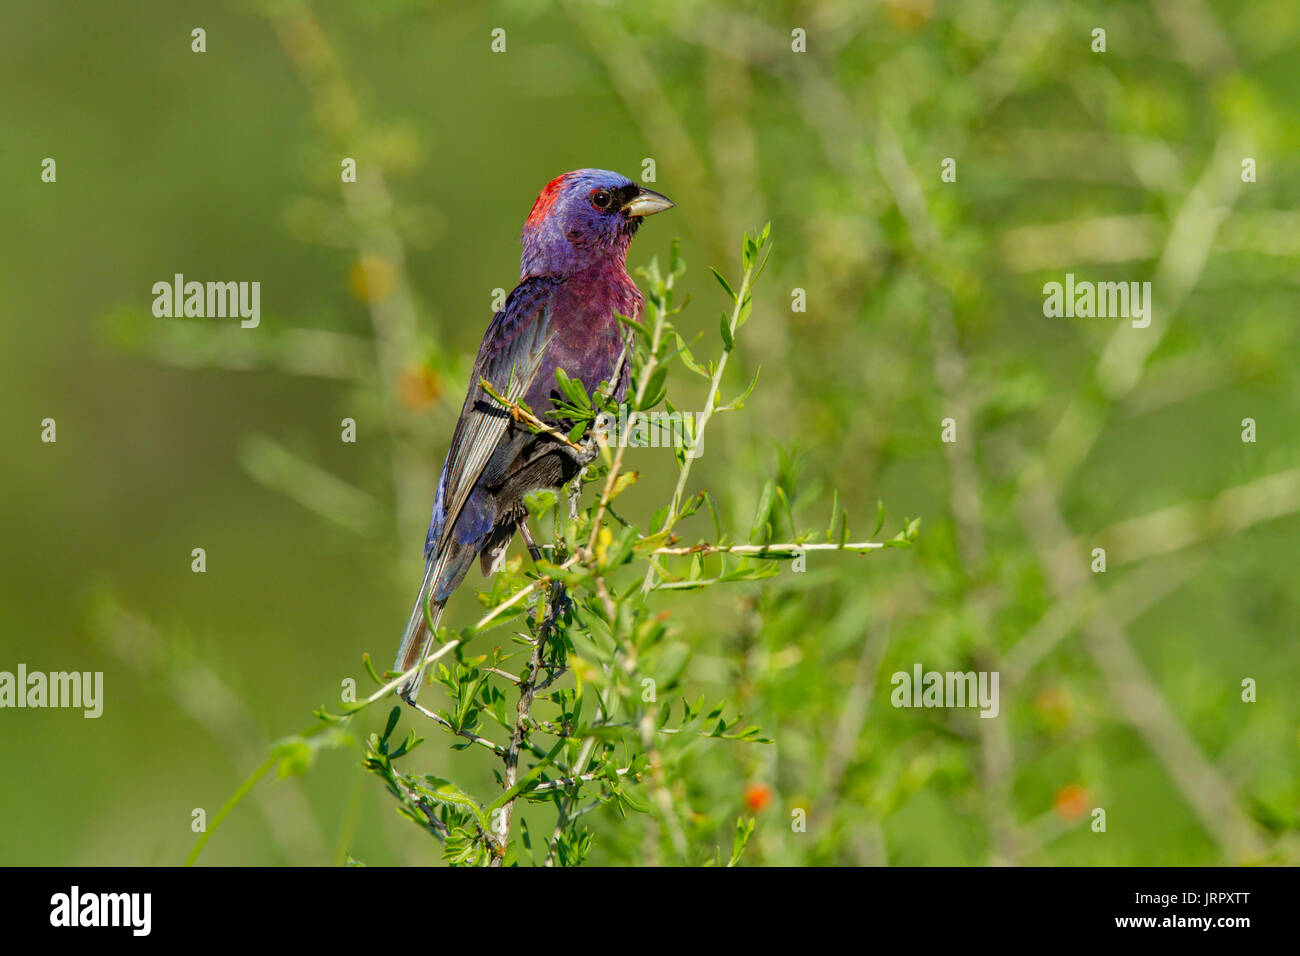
[583, 218]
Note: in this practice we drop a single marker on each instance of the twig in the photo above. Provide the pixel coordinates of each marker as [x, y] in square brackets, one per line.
[518, 596]
[763, 550]
[527, 692]
[521, 413]
[710, 406]
[643, 383]
[563, 783]
[467, 734]
[440, 828]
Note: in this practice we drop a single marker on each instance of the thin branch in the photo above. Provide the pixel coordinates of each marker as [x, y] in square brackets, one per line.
[522, 414]
[563, 783]
[518, 596]
[467, 734]
[742, 295]
[766, 550]
[527, 692]
[643, 385]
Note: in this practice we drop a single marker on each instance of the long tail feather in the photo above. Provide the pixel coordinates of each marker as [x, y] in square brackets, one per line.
[418, 636]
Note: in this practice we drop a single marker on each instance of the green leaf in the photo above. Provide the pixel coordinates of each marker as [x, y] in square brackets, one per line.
[622, 549]
[835, 516]
[723, 282]
[738, 402]
[746, 306]
[684, 353]
[526, 782]
[394, 716]
[370, 669]
[634, 325]
[441, 790]
[713, 513]
[676, 264]
[761, 514]
[572, 389]
[755, 571]
[654, 389]
[744, 829]
[410, 743]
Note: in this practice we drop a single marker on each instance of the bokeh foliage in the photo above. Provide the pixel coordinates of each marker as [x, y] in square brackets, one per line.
[924, 298]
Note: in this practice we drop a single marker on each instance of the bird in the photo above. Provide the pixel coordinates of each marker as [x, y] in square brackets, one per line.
[563, 314]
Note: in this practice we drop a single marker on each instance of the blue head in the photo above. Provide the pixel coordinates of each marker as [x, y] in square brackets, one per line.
[584, 218]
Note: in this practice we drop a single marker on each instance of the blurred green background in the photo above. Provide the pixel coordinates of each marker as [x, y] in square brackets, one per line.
[1120, 690]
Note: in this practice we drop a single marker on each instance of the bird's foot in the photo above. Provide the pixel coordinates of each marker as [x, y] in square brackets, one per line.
[586, 451]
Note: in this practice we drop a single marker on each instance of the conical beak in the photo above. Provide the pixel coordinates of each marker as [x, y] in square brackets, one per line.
[646, 203]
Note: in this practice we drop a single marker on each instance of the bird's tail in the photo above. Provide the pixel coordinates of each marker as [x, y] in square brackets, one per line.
[418, 636]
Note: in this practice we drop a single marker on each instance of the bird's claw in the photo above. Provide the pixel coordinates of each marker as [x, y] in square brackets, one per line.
[585, 451]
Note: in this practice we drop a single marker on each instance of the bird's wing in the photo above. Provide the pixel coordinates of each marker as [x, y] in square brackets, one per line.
[511, 353]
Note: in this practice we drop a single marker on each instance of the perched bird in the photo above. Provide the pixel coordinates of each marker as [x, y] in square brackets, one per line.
[572, 281]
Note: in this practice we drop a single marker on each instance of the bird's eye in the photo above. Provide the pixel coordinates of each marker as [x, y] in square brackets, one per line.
[601, 199]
